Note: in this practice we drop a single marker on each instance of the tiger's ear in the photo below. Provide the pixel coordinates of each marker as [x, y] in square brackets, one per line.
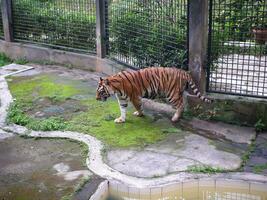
[101, 79]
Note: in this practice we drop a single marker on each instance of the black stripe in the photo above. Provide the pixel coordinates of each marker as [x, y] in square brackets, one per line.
[176, 101]
[117, 81]
[126, 77]
[153, 81]
[142, 82]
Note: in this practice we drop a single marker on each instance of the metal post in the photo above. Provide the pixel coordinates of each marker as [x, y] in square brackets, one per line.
[198, 41]
[101, 28]
[6, 6]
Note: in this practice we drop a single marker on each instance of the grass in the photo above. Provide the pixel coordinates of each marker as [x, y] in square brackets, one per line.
[21, 61]
[96, 119]
[259, 168]
[77, 188]
[17, 116]
[4, 60]
[82, 183]
[260, 126]
[206, 169]
[247, 154]
[84, 151]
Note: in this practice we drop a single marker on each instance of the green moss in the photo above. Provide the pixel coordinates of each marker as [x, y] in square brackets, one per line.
[171, 130]
[99, 121]
[41, 86]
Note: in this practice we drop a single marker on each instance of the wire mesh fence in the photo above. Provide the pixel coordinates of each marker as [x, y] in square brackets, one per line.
[238, 47]
[148, 33]
[64, 24]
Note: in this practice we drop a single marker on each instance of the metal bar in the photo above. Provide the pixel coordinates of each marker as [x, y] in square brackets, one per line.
[100, 28]
[6, 6]
[209, 46]
[198, 37]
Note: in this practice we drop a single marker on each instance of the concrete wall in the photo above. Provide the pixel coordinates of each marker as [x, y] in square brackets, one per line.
[38, 53]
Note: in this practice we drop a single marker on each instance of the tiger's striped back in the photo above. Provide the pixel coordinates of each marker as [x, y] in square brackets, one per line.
[154, 81]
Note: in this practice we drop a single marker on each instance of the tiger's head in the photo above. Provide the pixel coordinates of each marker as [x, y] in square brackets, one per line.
[102, 91]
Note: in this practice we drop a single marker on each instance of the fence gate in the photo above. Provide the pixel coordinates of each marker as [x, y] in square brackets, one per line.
[147, 32]
[237, 54]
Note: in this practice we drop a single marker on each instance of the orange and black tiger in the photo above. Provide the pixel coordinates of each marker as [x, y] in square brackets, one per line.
[147, 83]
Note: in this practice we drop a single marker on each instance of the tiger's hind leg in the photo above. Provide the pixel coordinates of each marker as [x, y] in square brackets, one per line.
[179, 105]
[138, 106]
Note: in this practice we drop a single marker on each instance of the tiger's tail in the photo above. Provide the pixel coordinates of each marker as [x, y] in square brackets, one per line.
[196, 90]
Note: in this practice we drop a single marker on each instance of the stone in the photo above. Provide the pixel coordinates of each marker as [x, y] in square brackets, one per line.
[146, 164]
[175, 154]
[119, 156]
[4, 135]
[238, 134]
[200, 149]
[53, 110]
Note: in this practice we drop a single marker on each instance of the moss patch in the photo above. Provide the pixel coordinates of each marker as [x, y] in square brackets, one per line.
[31, 89]
[97, 118]
[99, 121]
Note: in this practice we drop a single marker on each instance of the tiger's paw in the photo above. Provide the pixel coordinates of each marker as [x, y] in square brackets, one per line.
[175, 119]
[138, 114]
[119, 120]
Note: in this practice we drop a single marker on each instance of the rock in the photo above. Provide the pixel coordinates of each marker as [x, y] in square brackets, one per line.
[237, 134]
[53, 110]
[4, 135]
[175, 154]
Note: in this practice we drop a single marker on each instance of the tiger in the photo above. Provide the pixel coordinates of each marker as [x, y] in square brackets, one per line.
[147, 83]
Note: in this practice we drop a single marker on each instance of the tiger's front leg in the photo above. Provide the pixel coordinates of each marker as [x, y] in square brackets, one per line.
[123, 103]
